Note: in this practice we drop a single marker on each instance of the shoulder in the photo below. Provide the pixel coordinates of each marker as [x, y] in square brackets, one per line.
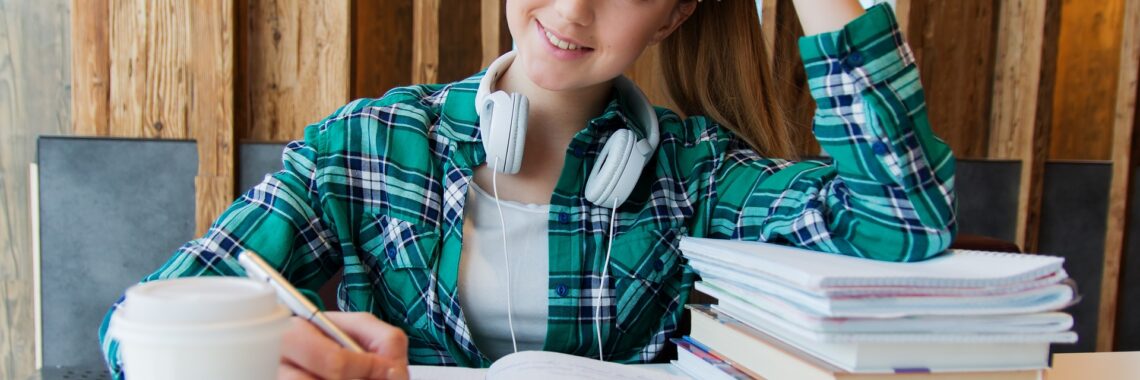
[699, 145]
[679, 132]
[418, 103]
[414, 108]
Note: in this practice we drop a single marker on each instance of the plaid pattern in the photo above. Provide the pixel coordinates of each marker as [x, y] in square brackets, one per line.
[378, 189]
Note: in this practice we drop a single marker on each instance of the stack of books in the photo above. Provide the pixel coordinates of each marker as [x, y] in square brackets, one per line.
[789, 313]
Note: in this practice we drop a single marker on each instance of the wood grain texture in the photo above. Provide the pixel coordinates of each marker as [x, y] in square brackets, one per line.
[791, 79]
[460, 46]
[425, 41]
[903, 14]
[953, 43]
[212, 108]
[1023, 84]
[150, 73]
[293, 67]
[1123, 161]
[90, 67]
[381, 46]
[490, 18]
[768, 11]
[1088, 59]
[35, 77]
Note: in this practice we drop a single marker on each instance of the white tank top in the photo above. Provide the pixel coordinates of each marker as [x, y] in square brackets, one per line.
[482, 284]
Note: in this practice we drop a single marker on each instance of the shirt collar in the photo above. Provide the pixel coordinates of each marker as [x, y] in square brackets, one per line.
[460, 122]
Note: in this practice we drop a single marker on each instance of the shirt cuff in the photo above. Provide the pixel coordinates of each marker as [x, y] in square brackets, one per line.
[870, 49]
[865, 83]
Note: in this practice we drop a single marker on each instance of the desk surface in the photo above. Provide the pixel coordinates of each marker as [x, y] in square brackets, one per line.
[1095, 365]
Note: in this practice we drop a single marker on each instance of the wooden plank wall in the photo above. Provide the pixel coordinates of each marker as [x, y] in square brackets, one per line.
[35, 76]
[1004, 79]
[953, 43]
[1088, 50]
[294, 65]
[1124, 124]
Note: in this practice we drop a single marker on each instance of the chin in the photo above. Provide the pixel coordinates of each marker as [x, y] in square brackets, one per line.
[552, 78]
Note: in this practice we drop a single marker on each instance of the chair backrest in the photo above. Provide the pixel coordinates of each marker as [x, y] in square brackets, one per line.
[111, 212]
[987, 197]
[1128, 306]
[1074, 209]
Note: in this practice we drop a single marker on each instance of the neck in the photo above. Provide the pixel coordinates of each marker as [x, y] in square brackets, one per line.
[557, 113]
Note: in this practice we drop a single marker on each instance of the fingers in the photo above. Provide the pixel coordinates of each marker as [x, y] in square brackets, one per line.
[308, 350]
[289, 372]
[373, 334]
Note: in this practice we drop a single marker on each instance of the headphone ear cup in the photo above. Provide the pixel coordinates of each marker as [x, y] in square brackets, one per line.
[504, 130]
[520, 109]
[609, 180]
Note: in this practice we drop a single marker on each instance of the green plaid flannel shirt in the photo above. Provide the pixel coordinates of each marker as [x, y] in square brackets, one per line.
[377, 189]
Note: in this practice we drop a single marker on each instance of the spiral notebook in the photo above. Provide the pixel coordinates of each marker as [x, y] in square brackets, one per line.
[808, 269]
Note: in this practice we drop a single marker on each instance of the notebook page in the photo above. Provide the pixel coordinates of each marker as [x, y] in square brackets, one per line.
[814, 270]
[428, 372]
[528, 365]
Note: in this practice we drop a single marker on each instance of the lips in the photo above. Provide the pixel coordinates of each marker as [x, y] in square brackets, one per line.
[562, 42]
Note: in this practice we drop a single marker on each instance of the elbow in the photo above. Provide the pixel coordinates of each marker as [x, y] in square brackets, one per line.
[922, 238]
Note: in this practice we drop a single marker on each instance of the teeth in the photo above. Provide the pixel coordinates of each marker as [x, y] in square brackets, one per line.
[560, 43]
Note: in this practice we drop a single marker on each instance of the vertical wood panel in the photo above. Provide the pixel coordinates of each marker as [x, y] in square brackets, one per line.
[150, 88]
[212, 103]
[953, 43]
[1087, 60]
[791, 79]
[294, 66]
[460, 48]
[903, 14]
[490, 18]
[381, 47]
[91, 67]
[425, 37]
[768, 12]
[1023, 76]
[1123, 161]
[35, 74]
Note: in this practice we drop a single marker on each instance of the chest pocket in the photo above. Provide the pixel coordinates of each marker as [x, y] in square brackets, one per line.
[645, 265]
[394, 243]
[402, 257]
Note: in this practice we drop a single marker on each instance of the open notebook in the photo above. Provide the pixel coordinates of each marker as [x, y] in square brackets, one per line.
[528, 365]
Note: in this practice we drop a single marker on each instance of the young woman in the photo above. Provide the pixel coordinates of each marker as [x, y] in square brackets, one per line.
[459, 246]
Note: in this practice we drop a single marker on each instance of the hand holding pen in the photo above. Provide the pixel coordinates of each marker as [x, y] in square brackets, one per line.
[329, 345]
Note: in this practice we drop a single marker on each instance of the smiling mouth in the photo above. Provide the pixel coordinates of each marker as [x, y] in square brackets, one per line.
[561, 44]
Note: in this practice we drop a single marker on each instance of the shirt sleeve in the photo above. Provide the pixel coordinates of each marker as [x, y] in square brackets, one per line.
[282, 219]
[887, 193]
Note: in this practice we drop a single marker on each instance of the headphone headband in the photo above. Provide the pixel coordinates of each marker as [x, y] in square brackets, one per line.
[502, 122]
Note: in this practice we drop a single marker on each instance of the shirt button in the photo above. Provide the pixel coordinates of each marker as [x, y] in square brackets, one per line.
[391, 252]
[563, 218]
[879, 148]
[658, 265]
[579, 151]
[855, 58]
[561, 289]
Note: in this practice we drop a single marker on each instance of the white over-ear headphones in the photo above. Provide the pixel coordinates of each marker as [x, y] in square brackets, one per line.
[502, 121]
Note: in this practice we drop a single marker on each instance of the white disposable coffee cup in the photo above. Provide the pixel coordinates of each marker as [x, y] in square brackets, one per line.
[200, 328]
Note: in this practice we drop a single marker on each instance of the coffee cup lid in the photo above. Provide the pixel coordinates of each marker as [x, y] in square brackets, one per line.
[198, 300]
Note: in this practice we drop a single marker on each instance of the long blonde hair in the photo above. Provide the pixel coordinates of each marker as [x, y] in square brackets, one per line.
[715, 65]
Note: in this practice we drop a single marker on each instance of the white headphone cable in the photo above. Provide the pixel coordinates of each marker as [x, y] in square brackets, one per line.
[602, 283]
[506, 260]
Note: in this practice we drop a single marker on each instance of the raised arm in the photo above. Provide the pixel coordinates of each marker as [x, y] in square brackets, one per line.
[818, 16]
[887, 192]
